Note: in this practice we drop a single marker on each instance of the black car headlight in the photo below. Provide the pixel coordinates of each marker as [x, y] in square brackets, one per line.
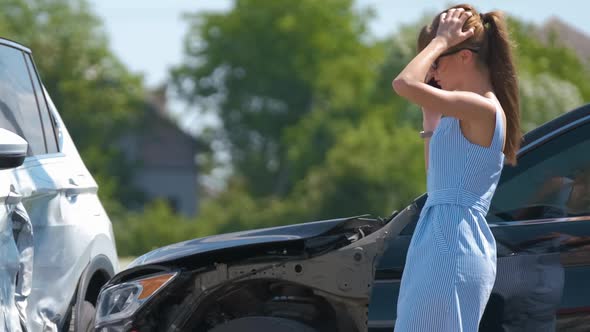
[121, 301]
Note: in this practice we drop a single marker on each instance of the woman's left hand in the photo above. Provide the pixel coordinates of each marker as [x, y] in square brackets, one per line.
[450, 27]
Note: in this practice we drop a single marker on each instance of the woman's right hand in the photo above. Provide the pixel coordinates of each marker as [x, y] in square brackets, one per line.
[450, 27]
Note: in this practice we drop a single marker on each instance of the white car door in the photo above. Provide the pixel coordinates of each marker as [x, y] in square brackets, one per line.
[54, 190]
[40, 185]
[9, 264]
[19, 113]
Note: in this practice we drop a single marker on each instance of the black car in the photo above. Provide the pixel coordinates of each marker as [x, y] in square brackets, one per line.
[344, 274]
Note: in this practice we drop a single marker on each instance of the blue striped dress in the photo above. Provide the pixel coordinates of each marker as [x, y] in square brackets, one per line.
[451, 263]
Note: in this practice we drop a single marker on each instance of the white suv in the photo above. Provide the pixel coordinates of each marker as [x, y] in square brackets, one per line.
[50, 279]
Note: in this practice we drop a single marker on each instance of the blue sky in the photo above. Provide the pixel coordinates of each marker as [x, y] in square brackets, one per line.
[147, 34]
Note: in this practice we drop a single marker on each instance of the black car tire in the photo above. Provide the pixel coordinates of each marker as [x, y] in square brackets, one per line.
[257, 324]
[83, 315]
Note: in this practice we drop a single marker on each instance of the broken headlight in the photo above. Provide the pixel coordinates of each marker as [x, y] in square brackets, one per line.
[121, 301]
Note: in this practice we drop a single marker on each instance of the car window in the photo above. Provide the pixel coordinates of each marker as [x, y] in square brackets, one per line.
[551, 181]
[18, 106]
[46, 119]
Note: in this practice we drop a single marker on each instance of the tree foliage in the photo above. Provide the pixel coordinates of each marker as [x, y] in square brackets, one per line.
[266, 65]
[552, 78]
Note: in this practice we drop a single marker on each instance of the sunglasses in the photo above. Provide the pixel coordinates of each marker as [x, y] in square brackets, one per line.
[434, 65]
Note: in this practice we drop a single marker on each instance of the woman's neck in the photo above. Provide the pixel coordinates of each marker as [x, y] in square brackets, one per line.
[477, 81]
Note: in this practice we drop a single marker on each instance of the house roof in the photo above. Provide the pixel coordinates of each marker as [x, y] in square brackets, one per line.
[157, 101]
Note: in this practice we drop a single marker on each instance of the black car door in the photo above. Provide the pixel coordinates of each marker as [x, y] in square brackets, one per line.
[540, 217]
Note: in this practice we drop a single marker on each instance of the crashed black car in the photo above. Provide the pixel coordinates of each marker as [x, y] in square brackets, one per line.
[344, 274]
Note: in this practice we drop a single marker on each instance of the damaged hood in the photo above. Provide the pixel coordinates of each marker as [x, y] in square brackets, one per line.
[245, 239]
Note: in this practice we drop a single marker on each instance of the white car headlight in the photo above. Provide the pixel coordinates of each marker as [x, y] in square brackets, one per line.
[122, 300]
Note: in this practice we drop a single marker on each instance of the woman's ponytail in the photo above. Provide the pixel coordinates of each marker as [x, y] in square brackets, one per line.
[498, 57]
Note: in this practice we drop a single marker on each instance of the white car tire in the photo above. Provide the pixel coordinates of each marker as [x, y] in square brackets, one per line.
[82, 317]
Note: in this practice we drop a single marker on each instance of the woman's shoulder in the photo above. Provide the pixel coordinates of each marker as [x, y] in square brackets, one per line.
[491, 97]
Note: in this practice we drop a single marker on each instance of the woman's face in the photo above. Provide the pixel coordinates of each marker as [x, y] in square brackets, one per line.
[446, 70]
[449, 69]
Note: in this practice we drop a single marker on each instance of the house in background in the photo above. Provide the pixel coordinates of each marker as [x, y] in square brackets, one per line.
[165, 158]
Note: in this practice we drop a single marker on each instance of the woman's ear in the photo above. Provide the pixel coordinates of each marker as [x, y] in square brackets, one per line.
[466, 56]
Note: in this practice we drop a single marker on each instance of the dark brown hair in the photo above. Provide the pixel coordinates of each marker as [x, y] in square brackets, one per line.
[495, 51]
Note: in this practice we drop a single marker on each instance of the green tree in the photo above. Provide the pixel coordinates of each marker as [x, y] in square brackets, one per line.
[262, 67]
[552, 78]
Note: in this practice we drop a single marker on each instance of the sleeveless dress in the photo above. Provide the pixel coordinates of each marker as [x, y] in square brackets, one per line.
[451, 262]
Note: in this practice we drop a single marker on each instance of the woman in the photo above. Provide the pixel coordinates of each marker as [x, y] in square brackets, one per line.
[471, 124]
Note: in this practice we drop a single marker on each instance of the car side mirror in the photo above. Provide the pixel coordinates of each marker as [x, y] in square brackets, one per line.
[13, 149]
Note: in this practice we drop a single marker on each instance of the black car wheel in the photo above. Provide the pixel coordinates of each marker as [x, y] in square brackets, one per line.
[256, 324]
